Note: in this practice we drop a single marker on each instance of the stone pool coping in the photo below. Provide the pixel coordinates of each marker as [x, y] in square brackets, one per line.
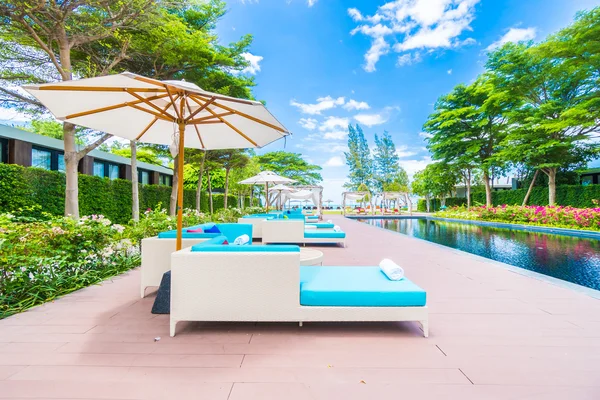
[521, 271]
[521, 227]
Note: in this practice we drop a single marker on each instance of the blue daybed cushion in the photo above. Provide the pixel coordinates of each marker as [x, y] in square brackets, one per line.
[212, 229]
[356, 287]
[316, 234]
[211, 242]
[189, 235]
[322, 225]
[218, 247]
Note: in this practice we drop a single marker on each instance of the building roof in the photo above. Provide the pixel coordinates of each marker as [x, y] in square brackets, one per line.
[589, 171]
[10, 132]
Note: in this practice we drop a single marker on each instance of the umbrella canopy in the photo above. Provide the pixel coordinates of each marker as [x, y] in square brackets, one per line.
[264, 178]
[280, 187]
[161, 112]
[138, 108]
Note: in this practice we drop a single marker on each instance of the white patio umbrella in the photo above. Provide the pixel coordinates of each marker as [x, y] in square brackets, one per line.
[264, 178]
[175, 113]
[280, 188]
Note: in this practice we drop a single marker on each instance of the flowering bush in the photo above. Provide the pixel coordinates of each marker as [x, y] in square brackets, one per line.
[556, 216]
[40, 260]
[43, 257]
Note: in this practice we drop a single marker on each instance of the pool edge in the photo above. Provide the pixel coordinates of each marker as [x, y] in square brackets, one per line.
[518, 270]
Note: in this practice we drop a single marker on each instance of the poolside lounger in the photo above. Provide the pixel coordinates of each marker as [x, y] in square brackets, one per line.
[294, 231]
[156, 251]
[267, 283]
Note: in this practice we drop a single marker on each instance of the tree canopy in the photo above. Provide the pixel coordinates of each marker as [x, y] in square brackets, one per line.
[358, 159]
[290, 165]
[386, 161]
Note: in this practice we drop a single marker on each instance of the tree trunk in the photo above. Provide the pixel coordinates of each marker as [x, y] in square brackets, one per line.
[443, 200]
[551, 186]
[199, 187]
[488, 189]
[135, 196]
[252, 196]
[408, 203]
[210, 197]
[173, 198]
[468, 185]
[526, 199]
[428, 202]
[72, 177]
[227, 171]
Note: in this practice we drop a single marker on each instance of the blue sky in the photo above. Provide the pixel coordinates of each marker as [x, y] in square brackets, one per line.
[320, 64]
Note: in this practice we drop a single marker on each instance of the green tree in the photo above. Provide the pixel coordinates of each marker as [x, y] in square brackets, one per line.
[557, 114]
[231, 159]
[423, 186]
[143, 154]
[401, 184]
[290, 165]
[358, 158]
[468, 126]
[386, 161]
[41, 42]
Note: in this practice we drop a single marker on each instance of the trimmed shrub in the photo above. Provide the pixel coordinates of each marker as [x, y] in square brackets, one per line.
[23, 189]
[578, 196]
[435, 204]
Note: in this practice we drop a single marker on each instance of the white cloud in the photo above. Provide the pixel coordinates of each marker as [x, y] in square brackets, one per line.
[449, 71]
[414, 25]
[254, 61]
[379, 48]
[355, 14]
[408, 59]
[513, 35]
[311, 2]
[415, 165]
[376, 118]
[404, 151]
[370, 119]
[10, 115]
[356, 105]
[334, 122]
[425, 135]
[334, 161]
[322, 104]
[308, 123]
[335, 135]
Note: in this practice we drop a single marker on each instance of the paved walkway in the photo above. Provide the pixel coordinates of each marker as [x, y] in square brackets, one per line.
[494, 335]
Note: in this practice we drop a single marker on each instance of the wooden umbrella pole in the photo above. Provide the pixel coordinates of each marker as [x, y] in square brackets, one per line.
[267, 195]
[180, 179]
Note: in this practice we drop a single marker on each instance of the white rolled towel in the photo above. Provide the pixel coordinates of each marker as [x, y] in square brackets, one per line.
[240, 240]
[393, 271]
[329, 221]
[337, 228]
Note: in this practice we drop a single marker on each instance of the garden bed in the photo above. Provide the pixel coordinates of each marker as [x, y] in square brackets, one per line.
[547, 216]
[45, 258]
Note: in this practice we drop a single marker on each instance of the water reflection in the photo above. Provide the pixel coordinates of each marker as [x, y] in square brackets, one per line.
[569, 258]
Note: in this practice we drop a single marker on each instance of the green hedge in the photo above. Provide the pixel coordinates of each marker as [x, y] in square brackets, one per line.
[435, 204]
[22, 187]
[566, 195]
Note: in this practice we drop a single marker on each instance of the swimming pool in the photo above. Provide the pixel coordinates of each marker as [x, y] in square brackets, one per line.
[569, 258]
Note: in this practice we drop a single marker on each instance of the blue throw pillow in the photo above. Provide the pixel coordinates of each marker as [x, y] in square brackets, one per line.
[289, 212]
[212, 229]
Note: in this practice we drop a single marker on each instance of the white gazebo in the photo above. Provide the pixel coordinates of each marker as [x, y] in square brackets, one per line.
[264, 178]
[305, 192]
[396, 197]
[354, 196]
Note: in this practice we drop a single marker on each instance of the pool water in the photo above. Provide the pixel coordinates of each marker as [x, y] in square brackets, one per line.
[569, 258]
